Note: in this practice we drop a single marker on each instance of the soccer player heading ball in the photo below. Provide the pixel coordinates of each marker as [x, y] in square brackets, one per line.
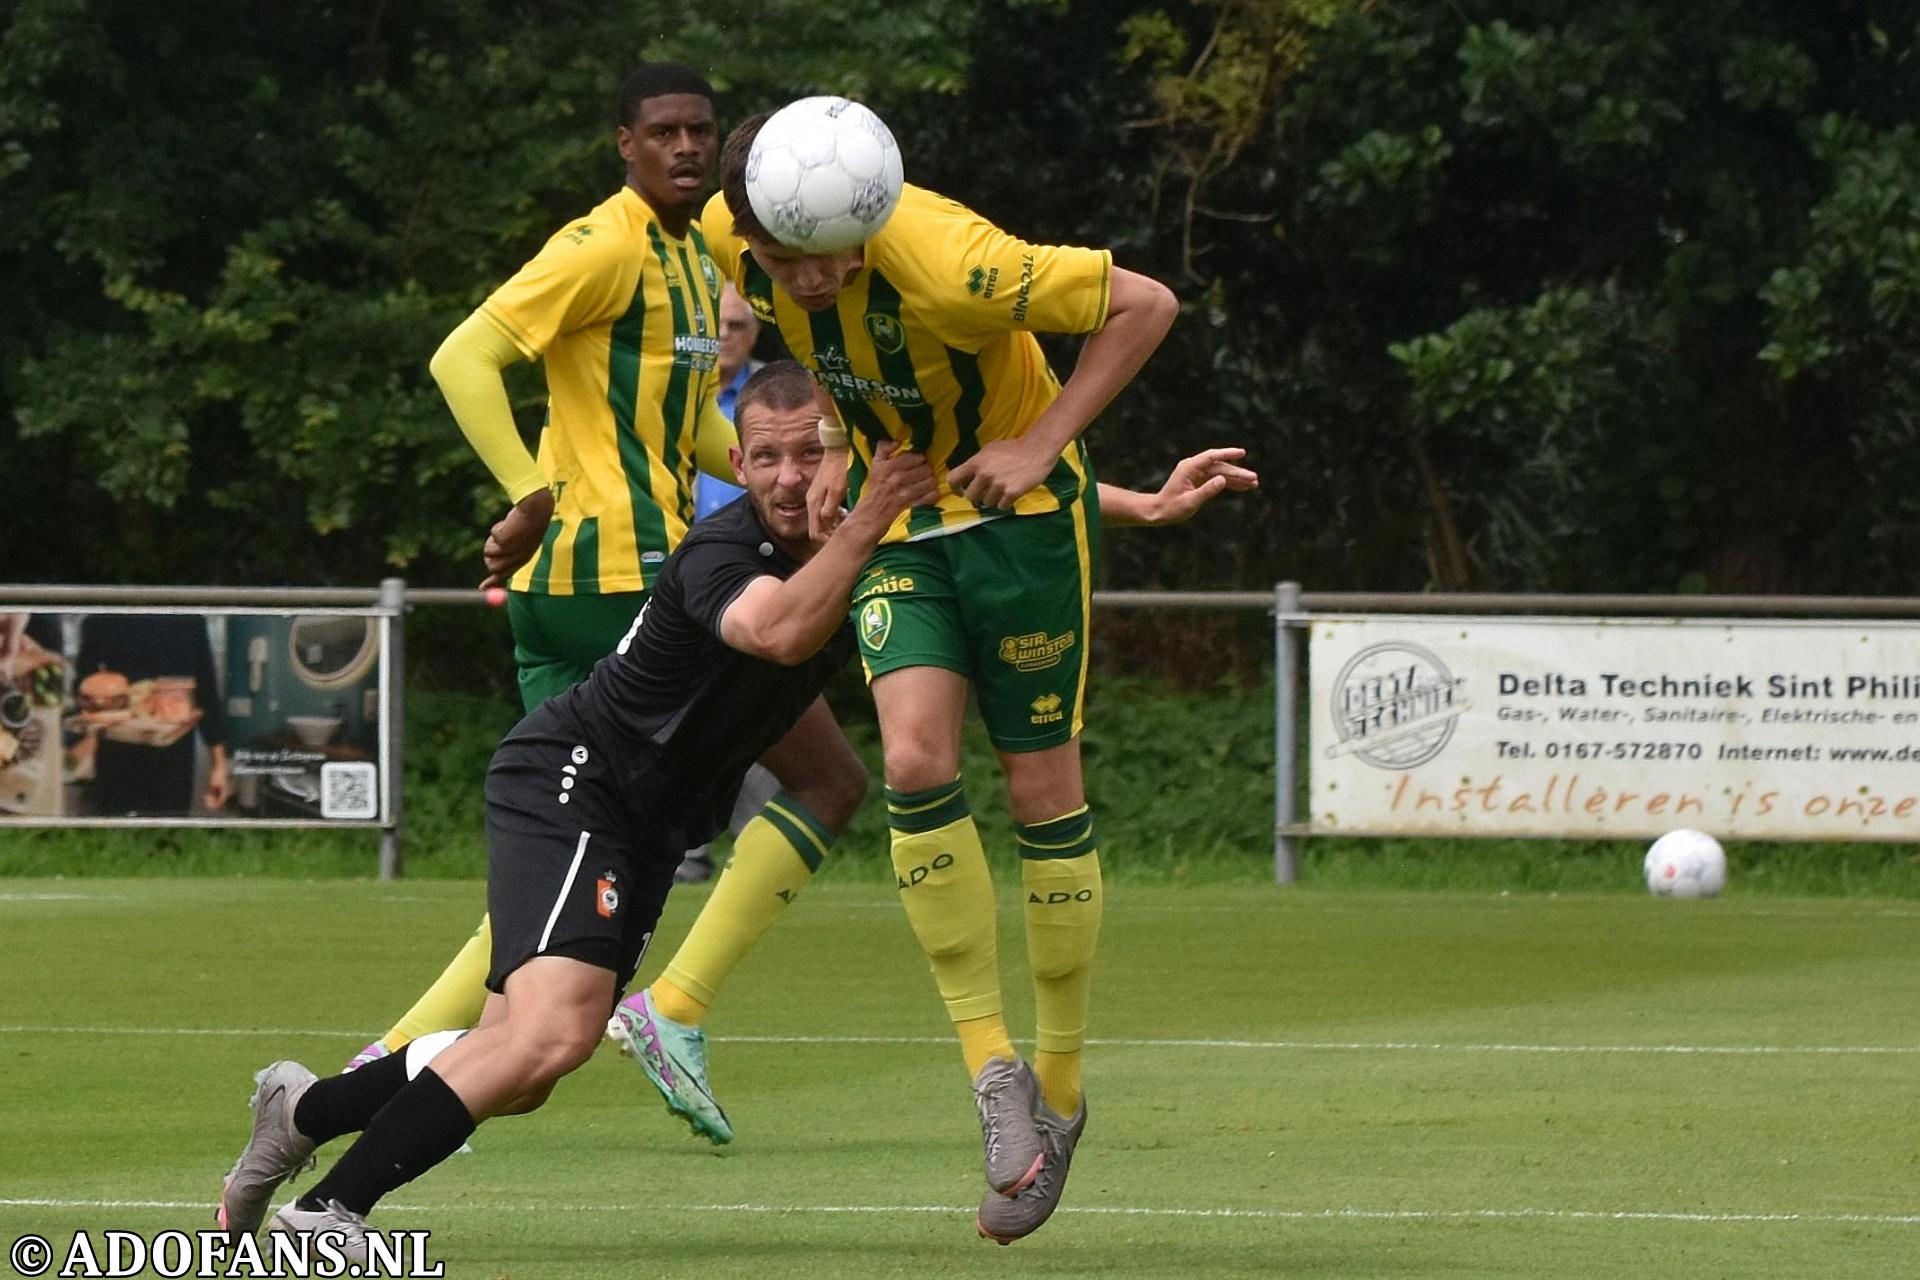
[414, 1106]
[921, 331]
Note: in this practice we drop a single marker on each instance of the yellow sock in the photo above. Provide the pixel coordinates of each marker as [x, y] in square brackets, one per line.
[1060, 870]
[673, 1003]
[1059, 1075]
[454, 1001]
[774, 857]
[982, 1040]
[942, 874]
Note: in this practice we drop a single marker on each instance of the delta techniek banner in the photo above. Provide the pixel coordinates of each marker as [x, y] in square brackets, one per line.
[1585, 727]
[209, 716]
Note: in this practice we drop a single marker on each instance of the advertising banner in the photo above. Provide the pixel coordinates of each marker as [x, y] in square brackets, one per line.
[1584, 727]
[210, 716]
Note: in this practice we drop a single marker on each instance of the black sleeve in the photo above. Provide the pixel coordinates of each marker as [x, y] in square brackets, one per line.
[90, 658]
[712, 576]
[206, 688]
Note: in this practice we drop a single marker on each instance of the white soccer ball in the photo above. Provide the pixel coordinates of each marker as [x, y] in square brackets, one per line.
[1686, 864]
[823, 175]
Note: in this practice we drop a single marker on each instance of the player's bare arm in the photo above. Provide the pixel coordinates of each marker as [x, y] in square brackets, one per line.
[1140, 310]
[787, 621]
[1195, 481]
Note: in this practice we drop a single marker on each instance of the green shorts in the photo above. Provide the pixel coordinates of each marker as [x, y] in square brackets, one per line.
[1005, 604]
[557, 639]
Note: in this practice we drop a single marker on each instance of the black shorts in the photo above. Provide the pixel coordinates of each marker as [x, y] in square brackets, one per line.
[570, 872]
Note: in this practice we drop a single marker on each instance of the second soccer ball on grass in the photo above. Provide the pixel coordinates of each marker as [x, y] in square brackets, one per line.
[1686, 864]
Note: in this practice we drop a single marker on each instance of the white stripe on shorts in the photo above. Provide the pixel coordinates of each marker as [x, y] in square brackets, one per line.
[553, 917]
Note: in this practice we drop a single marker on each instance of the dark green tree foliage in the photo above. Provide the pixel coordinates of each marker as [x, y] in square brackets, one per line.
[1554, 296]
[232, 244]
[1584, 297]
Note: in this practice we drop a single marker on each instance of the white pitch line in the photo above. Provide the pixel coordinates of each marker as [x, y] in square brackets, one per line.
[1345, 1213]
[25, 1029]
[1291, 1046]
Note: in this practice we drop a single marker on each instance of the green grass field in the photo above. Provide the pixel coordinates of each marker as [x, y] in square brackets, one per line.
[1308, 1082]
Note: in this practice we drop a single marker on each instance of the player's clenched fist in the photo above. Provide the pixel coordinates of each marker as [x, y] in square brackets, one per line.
[898, 480]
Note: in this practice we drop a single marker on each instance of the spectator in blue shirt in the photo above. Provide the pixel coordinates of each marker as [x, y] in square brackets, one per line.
[738, 332]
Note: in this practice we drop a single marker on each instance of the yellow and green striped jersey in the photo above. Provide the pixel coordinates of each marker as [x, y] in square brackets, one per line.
[627, 318]
[932, 344]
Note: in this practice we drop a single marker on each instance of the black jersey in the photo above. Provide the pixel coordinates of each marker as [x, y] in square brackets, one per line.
[681, 712]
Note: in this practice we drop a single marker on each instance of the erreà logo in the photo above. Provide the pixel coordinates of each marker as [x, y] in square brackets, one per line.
[761, 306]
[876, 621]
[976, 280]
[885, 332]
[1046, 709]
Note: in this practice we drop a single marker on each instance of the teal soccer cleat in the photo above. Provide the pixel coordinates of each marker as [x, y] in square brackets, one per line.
[675, 1059]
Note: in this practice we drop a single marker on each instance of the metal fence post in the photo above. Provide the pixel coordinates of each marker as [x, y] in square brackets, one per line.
[393, 597]
[1286, 721]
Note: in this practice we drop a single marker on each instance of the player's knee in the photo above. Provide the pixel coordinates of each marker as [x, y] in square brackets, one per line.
[1042, 796]
[918, 766]
[841, 793]
[529, 1100]
[557, 1047]
[575, 1045]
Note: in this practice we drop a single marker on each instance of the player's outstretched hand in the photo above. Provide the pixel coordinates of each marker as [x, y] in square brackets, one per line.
[898, 481]
[1001, 473]
[826, 494]
[512, 542]
[1198, 480]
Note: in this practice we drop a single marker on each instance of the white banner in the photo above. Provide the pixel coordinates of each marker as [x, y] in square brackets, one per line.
[1615, 727]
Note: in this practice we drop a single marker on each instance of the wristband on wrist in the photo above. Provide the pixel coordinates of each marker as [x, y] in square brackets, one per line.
[831, 436]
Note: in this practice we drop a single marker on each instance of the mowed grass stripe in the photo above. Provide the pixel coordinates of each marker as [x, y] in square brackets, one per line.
[1279, 1215]
[1302, 1046]
[1338, 1085]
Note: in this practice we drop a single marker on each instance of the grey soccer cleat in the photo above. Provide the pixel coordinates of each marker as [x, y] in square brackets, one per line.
[275, 1151]
[1006, 1093]
[1004, 1219]
[348, 1229]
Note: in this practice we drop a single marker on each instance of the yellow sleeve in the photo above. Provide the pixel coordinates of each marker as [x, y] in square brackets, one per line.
[712, 438]
[726, 248]
[467, 366]
[584, 276]
[975, 281]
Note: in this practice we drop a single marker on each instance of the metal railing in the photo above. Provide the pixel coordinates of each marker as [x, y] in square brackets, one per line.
[1291, 607]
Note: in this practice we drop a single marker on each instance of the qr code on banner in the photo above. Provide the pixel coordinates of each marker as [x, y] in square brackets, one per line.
[347, 790]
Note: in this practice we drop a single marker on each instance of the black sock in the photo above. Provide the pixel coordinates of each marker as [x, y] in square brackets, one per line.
[345, 1103]
[424, 1124]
